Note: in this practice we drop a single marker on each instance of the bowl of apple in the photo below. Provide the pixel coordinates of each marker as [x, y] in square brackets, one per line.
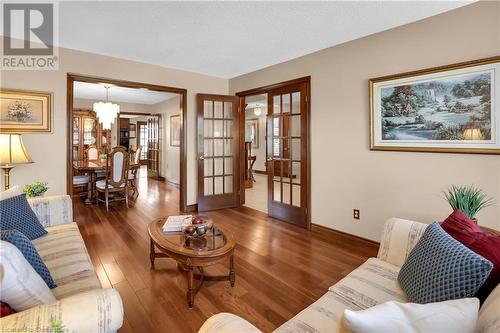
[198, 227]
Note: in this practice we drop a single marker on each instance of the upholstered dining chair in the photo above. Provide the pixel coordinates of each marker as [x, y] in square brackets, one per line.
[116, 180]
[92, 153]
[81, 181]
[132, 176]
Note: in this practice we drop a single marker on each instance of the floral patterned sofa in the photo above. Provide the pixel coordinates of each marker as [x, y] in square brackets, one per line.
[82, 304]
[374, 282]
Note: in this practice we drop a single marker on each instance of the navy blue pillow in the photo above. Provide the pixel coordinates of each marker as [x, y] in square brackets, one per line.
[24, 245]
[16, 214]
[440, 268]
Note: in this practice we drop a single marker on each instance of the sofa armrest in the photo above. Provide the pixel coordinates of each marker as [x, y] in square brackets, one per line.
[398, 239]
[227, 323]
[99, 310]
[53, 210]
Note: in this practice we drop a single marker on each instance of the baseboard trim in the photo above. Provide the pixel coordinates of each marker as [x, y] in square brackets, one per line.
[260, 172]
[191, 208]
[345, 234]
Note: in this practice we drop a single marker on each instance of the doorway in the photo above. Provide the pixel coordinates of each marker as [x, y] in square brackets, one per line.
[150, 89]
[277, 178]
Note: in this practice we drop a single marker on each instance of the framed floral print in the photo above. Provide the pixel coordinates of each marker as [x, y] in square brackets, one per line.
[451, 108]
[23, 111]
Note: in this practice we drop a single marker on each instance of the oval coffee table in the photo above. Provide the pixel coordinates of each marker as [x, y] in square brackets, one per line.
[193, 253]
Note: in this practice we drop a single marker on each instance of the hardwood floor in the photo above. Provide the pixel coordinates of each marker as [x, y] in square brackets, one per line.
[280, 268]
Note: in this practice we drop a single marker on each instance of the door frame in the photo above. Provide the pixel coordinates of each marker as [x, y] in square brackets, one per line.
[72, 77]
[264, 90]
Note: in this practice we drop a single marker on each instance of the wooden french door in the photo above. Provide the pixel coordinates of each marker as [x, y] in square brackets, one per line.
[287, 153]
[153, 151]
[218, 152]
[142, 140]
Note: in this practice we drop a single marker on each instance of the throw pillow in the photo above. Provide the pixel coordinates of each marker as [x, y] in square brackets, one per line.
[24, 245]
[440, 268]
[5, 310]
[22, 287]
[11, 192]
[450, 316]
[486, 244]
[17, 215]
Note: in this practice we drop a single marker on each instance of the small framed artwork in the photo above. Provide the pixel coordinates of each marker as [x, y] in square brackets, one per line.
[252, 132]
[453, 108]
[175, 131]
[23, 111]
[132, 131]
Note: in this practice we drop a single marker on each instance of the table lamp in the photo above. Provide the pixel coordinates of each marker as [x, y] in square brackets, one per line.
[12, 152]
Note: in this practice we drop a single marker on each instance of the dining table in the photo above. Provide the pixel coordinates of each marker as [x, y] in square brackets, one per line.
[91, 167]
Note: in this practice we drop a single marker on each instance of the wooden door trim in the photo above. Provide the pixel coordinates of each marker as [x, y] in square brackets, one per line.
[264, 90]
[72, 77]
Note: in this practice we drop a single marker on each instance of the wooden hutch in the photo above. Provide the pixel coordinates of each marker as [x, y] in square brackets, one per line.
[88, 132]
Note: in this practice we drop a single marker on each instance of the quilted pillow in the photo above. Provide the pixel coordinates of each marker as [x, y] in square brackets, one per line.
[440, 268]
[486, 244]
[30, 253]
[17, 215]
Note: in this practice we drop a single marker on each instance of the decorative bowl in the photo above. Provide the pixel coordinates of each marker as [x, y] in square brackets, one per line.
[202, 226]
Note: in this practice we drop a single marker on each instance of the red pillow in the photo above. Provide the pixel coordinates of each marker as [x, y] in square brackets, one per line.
[484, 243]
[5, 309]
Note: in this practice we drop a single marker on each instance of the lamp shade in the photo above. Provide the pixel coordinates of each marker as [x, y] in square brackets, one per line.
[12, 150]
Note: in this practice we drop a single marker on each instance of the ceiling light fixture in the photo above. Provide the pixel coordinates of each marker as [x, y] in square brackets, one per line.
[106, 111]
[257, 110]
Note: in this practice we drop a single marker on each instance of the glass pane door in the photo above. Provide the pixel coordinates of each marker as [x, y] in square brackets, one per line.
[287, 158]
[217, 151]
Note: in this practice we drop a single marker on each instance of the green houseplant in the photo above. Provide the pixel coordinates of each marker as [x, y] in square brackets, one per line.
[36, 189]
[469, 199]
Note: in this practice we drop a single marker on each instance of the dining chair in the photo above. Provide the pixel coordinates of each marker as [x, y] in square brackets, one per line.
[92, 153]
[132, 177]
[81, 181]
[116, 180]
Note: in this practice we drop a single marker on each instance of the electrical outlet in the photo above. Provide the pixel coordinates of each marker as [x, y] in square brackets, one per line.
[356, 214]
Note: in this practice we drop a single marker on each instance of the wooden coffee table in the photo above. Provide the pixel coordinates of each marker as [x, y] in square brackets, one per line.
[215, 247]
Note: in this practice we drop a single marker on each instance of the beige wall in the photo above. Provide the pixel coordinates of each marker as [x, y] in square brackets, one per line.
[49, 150]
[345, 173]
[170, 159]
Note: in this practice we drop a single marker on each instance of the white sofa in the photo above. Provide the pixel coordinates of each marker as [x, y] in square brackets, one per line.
[372, 283]
[81, 305]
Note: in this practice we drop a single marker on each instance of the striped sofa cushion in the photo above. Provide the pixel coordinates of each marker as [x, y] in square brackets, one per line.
[67, 259]
[372, 283]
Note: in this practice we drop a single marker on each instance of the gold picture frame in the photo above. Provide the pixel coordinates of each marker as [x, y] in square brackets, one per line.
[447, 109]
[175, 131]
[25, 111]
[252, 132]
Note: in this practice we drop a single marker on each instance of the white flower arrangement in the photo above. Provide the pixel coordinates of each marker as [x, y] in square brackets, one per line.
[20, 111]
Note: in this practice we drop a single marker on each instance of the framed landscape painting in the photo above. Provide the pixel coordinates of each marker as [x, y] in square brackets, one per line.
[25, 111]
[452, 108]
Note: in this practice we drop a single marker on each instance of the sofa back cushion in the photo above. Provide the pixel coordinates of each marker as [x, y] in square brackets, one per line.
[22, 287]
[398, 239]
[489, 314]
[11, 192]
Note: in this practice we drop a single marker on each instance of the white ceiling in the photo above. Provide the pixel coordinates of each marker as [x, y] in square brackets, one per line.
[119, 94]
[227, 39]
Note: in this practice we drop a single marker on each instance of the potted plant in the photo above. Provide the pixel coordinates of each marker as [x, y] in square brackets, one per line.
[103, 157]
[469, 199]
[37, 189]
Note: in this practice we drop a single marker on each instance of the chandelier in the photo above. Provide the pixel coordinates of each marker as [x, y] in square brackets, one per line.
[257, 110]
[106, 111]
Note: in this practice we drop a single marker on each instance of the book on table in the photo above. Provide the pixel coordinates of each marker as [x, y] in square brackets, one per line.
[174, 223]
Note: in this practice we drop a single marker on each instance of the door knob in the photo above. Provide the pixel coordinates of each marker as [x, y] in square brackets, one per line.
[269, 159]
[201, 158]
